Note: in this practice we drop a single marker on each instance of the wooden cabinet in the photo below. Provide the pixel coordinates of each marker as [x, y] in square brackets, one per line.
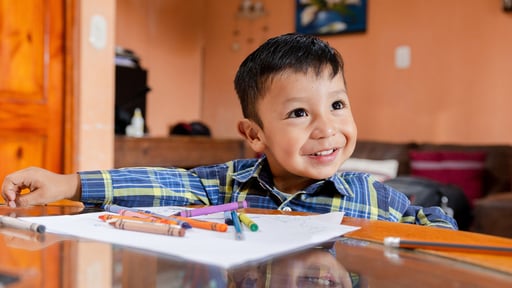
[177, 151]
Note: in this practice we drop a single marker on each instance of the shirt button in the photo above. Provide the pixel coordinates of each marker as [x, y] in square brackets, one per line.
[287, 209]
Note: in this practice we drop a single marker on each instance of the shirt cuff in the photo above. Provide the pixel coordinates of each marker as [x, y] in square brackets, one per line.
[96, 187]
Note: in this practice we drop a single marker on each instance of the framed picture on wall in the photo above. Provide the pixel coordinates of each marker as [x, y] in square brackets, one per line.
[328, 17]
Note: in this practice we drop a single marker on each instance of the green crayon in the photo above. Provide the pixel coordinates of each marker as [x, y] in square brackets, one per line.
[248, 222]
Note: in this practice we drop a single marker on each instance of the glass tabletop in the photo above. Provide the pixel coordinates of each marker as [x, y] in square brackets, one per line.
[30, 259]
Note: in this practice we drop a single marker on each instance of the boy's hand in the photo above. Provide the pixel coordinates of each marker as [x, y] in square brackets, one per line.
[44, 187]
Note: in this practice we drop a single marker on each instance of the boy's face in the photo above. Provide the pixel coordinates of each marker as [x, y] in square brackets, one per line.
[311, 268]
[308, 128]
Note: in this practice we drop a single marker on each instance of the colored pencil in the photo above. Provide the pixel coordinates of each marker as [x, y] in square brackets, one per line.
[396, 242]
[12, 222]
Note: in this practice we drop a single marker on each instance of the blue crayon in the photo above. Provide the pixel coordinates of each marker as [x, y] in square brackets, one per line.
[227, 218]
[238, 227]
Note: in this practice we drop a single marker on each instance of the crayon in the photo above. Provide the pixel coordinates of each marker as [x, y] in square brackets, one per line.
[126, 211]
[212, 209]
[248, 222]
[227, 218]
[115, 208]
[238, 227]
[113, 217]
[148, 227]
[173, 220]
[207, 225]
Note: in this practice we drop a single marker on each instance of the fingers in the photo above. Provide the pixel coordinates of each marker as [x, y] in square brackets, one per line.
[44, 187]
[24, 179]
[29, 199]
[8, 193]
[10, 189]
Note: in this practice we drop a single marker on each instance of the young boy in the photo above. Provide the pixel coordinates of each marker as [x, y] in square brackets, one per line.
[296, 114]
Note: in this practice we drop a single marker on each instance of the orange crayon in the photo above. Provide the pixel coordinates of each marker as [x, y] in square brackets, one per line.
[213, 226]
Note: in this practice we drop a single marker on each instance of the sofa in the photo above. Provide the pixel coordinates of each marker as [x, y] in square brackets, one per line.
[488, 168]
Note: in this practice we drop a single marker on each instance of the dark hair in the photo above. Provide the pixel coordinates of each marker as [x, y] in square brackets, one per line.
[288, 52]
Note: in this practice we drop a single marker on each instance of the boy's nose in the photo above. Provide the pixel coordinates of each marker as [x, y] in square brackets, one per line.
[323, 128]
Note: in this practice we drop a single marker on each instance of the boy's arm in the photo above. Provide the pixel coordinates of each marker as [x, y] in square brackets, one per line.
[428, 216]
[404, 212]
[142, 186]
[127, 187]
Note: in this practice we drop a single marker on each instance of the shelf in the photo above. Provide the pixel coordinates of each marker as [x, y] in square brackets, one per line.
[177, 151]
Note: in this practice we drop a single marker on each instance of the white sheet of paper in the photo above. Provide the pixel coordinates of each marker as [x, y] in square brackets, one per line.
[277, 235]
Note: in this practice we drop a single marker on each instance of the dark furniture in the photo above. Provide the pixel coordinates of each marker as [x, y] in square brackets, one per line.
[131, 90]
[177, 151]
[492, 212]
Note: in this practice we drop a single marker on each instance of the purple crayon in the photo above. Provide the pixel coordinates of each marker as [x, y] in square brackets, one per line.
[212, 209]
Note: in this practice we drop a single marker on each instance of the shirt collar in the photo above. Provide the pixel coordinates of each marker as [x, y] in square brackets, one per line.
[258, 172]
[340, 183]
[261, 172]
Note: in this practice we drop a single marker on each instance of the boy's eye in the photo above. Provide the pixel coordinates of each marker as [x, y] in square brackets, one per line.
[297, 113]
[337, 105]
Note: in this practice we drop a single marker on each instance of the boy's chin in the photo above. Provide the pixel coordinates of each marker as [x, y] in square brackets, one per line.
[319, 175]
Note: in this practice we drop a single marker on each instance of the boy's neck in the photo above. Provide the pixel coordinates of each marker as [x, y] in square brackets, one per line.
[292, 184]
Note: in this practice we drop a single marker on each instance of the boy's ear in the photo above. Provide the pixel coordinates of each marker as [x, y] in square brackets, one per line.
[252, 134]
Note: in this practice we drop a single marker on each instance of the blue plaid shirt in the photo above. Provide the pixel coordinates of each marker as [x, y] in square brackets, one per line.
[357, 194]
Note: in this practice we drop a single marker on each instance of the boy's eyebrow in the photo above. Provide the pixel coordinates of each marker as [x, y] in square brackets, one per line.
[295, 99]
[342, 92]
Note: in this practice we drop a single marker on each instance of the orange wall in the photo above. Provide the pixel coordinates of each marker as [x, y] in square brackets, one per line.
[168, 37]
[457, 89]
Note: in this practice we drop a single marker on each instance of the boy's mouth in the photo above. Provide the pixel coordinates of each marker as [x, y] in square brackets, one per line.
[325, 152]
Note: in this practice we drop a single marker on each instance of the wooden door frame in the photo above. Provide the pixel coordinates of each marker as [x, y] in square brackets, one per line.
[71, 52]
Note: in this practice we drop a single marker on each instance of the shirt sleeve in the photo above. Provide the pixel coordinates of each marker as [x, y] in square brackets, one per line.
[142, 187]
[428, 216]
[401, 208]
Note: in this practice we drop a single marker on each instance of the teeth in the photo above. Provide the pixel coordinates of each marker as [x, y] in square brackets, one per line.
[323, 153]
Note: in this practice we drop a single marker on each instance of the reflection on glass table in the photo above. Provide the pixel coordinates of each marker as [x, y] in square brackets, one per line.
[315, 267]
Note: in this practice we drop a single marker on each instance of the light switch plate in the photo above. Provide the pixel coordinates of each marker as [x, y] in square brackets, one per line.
[98, 32]
[403, 57]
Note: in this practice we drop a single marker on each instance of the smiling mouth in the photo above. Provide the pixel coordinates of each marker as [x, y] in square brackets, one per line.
[325, 152]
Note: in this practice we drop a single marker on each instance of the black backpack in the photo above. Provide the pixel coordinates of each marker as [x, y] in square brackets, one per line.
[426, 193]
